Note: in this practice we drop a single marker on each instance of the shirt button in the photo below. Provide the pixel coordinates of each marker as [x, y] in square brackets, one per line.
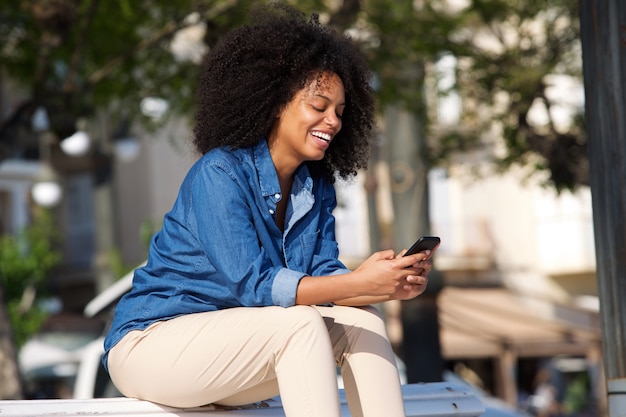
[271, 211]
[277, 196]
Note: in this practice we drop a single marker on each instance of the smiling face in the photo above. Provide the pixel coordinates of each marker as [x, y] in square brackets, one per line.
[308, 123]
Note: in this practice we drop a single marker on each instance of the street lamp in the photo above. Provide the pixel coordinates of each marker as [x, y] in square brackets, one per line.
[79, 143]
[126, 148]
[46, 191]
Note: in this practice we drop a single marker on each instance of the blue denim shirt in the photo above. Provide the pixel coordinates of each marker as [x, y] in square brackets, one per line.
[220, 247]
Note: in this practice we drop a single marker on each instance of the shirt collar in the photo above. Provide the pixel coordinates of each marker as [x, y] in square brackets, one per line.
[268, 178]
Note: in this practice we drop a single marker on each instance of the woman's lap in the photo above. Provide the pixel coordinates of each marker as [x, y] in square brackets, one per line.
[202, 358]
[238, 356]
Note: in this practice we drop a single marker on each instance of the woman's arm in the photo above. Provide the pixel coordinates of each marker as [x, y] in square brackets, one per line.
[382, 277]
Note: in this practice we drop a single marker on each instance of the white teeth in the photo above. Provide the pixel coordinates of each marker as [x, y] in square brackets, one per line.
[321, 135]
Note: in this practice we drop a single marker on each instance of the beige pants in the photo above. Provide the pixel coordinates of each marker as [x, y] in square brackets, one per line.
[243, 355]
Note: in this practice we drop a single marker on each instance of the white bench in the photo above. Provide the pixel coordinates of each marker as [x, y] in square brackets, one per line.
[437, 399]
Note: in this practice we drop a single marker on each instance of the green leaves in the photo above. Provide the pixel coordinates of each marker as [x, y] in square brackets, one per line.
[512, 53]
[78, 55]
[26, 259]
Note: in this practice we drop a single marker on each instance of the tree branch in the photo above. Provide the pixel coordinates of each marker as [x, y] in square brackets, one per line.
[166, 32]
[81, 36]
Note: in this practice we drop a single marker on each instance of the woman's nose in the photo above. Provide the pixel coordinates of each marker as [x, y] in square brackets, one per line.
[333, 120]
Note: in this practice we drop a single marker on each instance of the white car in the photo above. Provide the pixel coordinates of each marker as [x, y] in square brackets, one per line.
[67, 364]
[51, 369]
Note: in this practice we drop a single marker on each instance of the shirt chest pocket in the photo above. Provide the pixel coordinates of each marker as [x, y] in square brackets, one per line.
[309, 240]
[302, 251]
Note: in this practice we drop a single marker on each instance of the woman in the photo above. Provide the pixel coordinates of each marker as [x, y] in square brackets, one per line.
[243, 296]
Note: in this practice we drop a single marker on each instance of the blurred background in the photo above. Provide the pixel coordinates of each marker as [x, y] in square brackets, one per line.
[480, 141]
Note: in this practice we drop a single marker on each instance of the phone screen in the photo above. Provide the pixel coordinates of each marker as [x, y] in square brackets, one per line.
[424, 243]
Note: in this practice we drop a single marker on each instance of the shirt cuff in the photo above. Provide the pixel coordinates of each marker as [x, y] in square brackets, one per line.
[340, 271]
[285, 286]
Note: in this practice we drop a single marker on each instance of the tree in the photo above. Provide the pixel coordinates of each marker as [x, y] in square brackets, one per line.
[511, 57]
[25, 262]
[508, 54]
[604, 62]
[75, 56]
[10, 381]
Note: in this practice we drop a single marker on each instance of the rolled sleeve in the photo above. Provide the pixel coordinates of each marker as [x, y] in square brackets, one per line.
[285, 286]
[340, 271]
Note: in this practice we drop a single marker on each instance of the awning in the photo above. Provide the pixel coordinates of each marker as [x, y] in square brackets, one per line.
[485, 322]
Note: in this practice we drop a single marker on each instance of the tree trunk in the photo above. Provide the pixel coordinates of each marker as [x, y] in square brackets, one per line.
[603, 33]
[10, 380]
[421, 349]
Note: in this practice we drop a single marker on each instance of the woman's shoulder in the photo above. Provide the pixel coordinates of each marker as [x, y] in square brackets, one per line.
[220, 167]
[223, 159]
[226, 155]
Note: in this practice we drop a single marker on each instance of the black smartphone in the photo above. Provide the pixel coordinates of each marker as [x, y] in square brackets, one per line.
[424, 243]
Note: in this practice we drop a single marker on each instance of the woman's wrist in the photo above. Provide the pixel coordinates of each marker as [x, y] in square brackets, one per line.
[327, 289]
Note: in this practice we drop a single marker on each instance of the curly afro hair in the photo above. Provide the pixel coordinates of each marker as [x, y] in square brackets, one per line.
[254, 71]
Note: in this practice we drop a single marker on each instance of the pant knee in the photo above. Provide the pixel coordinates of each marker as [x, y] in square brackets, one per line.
[366, 317]
[305, 317]
[374, 314]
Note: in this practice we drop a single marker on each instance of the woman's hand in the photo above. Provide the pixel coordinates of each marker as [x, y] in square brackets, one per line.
[397, 277]
[416, 284]
[381, 277]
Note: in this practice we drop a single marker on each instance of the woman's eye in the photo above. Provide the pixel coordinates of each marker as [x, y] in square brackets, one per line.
[324, 109]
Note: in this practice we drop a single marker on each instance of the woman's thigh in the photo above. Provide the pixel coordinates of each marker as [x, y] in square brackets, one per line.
[202, 358]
